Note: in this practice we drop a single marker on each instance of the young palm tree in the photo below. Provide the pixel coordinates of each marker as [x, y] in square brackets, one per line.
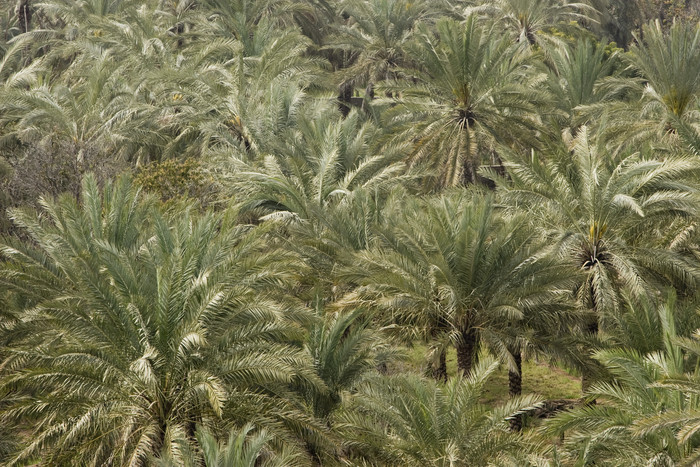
[405, 420]
[244, 448]
[577, 81]
[320, 162]
[343, 350]
[84, 115]
[147, 329]
[472, 89]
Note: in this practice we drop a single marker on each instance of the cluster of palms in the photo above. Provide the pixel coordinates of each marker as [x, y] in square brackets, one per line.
[488, 179]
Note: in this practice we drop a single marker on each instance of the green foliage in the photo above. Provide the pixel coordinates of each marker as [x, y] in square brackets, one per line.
[405, 420]
[146, 326]
[174, 180]
[320, 184]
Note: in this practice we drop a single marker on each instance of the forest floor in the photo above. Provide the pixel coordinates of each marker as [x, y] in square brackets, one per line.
[541, 378]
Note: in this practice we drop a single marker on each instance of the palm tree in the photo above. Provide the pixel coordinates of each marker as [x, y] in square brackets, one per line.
[83, 116]
[146, 329]
[405, 420]
[667, 87]
[470, 90]
[244, 448]
[455, 270]
[329, 240]
[608, 213]
[607, 210]
[530, 21]
[642, 409]
[320, 162]
[224, 96]
[376, 37]
[577, 81]
[341, 347]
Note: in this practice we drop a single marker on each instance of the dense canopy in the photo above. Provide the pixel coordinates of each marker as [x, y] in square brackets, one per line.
[349, 233]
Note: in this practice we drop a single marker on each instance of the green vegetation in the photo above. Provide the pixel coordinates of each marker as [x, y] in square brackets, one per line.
[349, 233]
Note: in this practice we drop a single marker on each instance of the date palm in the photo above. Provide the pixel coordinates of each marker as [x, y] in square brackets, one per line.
[643, 408]
[608, 212]
[577, 81]
[321, 161]
[455, 270]
[244, 448]
[83, 116]
[146, 329]
[405, 420]
[529, 21]
[343, 350]
[471, 89]
[377, 37]
[667, 88]
[223, 96]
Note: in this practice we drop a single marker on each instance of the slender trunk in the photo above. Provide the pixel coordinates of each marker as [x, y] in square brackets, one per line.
[439, 371]
[467, 351]
[586, 375]
[515, 378]
[515, 387]
[24, 16]
[344, 98]
[469, 167]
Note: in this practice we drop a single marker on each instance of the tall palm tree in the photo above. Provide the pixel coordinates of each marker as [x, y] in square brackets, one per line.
[667, 88]
[642, 409]
[530, 21]
[146, 329]
[376, 36]
[405, 420]
[608, 213]
[471, 89]
[455, 270]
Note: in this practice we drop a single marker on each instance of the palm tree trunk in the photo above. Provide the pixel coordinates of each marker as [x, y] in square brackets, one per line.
[515, 378]
[586, 376]
[439, 371]
[24, 15]
[469, 167]
[345, 91]
[466, 351]
[515, 387]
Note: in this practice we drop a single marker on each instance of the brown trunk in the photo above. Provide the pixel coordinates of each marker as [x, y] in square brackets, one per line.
[466, 351]
[515, 378]
[24, 15]
[344, 97]
[439, 371]
[515, 387]
[586, 376]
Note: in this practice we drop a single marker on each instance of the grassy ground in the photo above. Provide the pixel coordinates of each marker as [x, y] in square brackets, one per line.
[538, 378]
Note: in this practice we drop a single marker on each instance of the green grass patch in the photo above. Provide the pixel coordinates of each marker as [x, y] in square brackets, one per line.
[540, 378]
